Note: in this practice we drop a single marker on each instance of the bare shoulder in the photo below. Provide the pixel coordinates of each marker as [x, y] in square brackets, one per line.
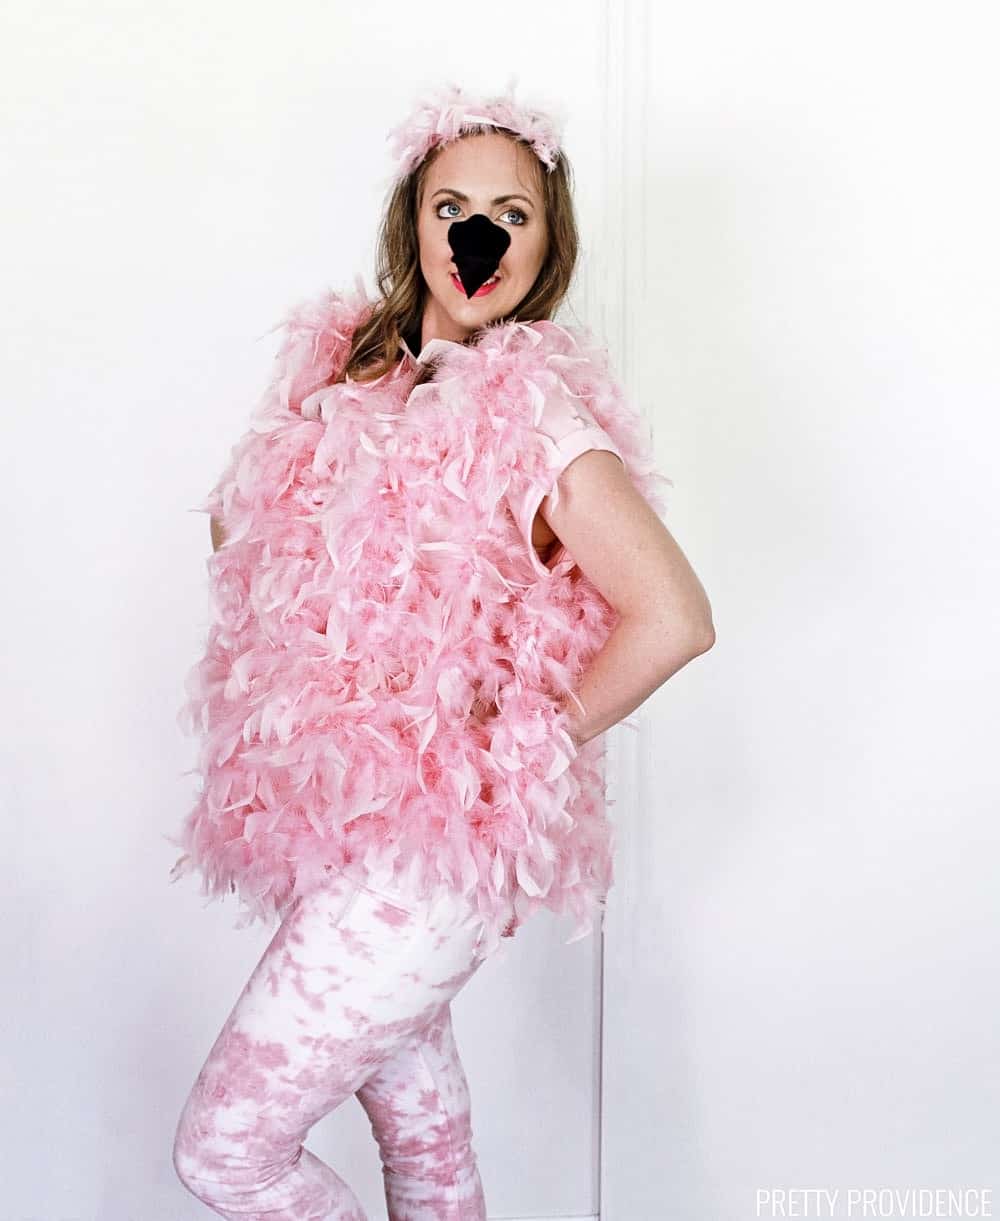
[620, 543]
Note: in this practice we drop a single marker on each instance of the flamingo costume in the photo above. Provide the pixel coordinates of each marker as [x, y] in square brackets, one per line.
[376, 588]
[377, 578]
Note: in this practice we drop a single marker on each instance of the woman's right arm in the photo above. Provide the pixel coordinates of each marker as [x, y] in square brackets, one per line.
[218, 535]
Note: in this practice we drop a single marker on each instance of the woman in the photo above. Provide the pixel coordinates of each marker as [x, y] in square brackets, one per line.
[438, 578]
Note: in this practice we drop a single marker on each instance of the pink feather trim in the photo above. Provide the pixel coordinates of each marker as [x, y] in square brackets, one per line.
[447, 112]
[373, 586]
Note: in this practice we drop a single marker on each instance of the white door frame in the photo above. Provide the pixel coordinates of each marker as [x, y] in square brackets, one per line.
[615, 284]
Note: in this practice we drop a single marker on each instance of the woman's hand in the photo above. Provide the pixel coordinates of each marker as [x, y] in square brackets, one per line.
[571, 712]
[218, 534]
[482, 714]
[483, 710]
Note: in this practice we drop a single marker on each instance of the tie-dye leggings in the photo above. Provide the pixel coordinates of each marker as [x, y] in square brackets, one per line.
[350, 997]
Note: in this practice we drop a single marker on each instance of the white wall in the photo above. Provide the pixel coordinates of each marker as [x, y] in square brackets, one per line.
[804, 992]
[800, 984]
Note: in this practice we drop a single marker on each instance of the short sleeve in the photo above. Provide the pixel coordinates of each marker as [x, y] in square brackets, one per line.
[574, 431]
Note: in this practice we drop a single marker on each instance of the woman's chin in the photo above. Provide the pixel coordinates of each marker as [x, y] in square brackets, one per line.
[474, 311]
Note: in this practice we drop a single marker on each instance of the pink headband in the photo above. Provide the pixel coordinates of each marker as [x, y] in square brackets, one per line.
[447, 112]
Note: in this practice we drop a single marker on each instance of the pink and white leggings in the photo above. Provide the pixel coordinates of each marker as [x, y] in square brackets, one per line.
[350, 997]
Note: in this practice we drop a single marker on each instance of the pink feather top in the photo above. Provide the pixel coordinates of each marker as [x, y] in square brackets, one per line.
[377, 579]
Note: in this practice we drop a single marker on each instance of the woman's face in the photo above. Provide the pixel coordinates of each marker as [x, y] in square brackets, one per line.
[497, 176]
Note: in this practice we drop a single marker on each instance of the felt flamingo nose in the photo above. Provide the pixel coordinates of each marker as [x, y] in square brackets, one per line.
[478, 246]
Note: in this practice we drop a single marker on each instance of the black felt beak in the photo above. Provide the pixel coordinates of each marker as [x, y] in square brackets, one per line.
[478, 246]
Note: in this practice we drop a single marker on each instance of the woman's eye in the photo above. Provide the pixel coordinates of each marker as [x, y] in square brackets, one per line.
[521, 217]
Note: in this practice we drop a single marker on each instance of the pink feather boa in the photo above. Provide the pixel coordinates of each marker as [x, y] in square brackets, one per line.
[372, 586]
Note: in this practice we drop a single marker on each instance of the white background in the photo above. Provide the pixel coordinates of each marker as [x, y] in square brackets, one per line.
[789, 221]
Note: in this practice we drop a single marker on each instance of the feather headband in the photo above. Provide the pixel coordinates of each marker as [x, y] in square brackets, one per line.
[447, 112]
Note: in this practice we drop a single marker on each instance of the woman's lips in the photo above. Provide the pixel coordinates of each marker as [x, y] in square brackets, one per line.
[486, 289]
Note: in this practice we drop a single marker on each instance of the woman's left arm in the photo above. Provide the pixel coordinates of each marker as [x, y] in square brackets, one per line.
[622, 546]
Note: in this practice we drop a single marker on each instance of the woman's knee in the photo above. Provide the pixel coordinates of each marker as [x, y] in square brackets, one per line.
[201, 1171]
[188, 1150]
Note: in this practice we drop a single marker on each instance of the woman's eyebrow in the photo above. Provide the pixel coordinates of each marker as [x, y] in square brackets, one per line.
[465, 198]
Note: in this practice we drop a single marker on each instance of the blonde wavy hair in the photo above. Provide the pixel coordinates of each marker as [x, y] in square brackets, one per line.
[403, 291]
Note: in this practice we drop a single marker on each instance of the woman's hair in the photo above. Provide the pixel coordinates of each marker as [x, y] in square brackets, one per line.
[375, 343]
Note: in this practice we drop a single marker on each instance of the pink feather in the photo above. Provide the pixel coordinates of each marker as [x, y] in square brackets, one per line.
[373, 585]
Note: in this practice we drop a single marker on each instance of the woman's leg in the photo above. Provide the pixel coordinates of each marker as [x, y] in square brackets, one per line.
[348, 981]
[419, 1107]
